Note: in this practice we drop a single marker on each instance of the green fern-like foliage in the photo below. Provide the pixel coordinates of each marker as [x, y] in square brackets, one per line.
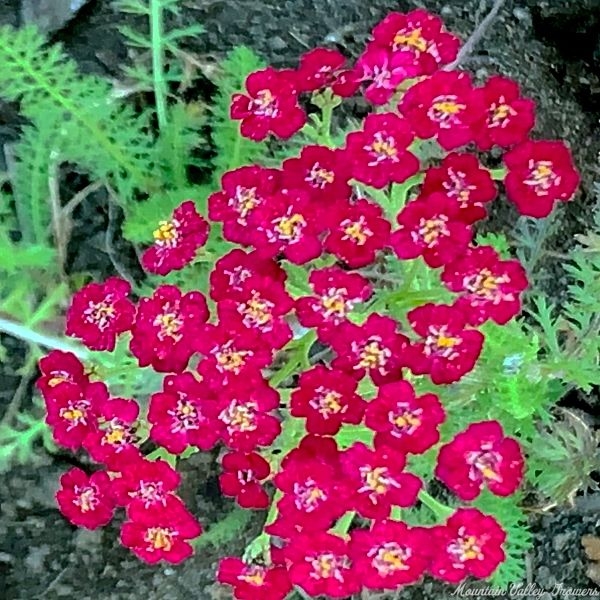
[229, 528]
[231, 149]
[91, 128]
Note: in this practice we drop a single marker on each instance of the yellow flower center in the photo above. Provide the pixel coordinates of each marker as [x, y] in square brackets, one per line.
[376, 480]
[159, 538]
[445, 110]
[166, 232]
[101, 313]
[412, 39]
[542, 176]
[116, 435]
[245, 200]
[320, 177]
[265, 104]
[430, 230]
[170, 325]
[327, 402]
[86, 499]
[239, 417]
[257, 311]
[500, 114]
[254, 575]
[357, 231]
[373, 355]
[406, 419]
[231, 360]
[290, 228]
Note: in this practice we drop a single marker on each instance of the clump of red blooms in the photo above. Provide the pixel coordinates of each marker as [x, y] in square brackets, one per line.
[216, 389]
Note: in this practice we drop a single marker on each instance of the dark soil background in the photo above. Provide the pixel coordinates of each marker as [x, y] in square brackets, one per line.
[551, 47]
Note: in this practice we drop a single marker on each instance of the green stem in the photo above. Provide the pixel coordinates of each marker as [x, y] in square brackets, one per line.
[158, 75]
[441, 511]
[498, 174]
[296, 359]
[27, 334]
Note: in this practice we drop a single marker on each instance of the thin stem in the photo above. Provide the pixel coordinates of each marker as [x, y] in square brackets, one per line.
[30, 336]
[158, 75]
[441, 511]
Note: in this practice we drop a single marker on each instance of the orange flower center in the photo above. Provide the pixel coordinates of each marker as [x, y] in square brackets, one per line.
[159, 538]
[254, 575]
[100, 313]
[373, 355]
[542, 176]
[327, 402]
[308, 496]
[320, 177]
[445, 110]
[389, 558]
[265, 104]
[411, 38]
[430, 230]
[86, 498]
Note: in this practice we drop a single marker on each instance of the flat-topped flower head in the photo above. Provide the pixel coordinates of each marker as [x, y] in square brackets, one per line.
[379, 154]
[481, 456]
[231, 354]
[145, 483]
[269, 106]
[376, 480]
[319, 171]
[184, 414]
[166, 326]
[374, 348]
[337, 292]
[540, 173]
[431, 227]
[383, 71]
[114, 441]
[100, 312]
[461, 178]
[242, 191]
[326, 398]
[319, 68]
[86, 501]
[320, 564]
[443, 106]
[260, 311]
[390, 554]
[288, 223]
[419, 34]
[161, 533]
[508, 119]
[448, 348]
[404, 421]
[72, 412]
[252, 581]
[242, 477]
[234, 271]
[358, 231]
[245, 415]
[176, 241]
[60, 368]
[469, 544]
[489, 288]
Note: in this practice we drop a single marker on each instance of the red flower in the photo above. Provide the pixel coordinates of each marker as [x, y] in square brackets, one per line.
[481, 455]
[319, 171]
[287, 223]
[539, 174]
[85, 500]
[160, 533]
[337, 292]
[448, 350]
[242, 478]
[254, 581]
[319, 564]
[374, 348]
[183, 414]
[376, 480]
[421, 35]
[464, 180]
[231, 272]
[326, 398]
[231, 355]
[113, 442]
[385, 70]
[167, 323]
[243, 190]
[470, 543]
[271, 105]
[312, 490]
[431, 227]
[245, 415]
[490, 288]
[443, 106]
[146, 483]
[59, 368]
[359, 230]
[176, 241]
[390, 554]
[261, 310]
[379, 152]
[318, 69]
[100, 312]
[72, 412]
[509, 118]
[403, 420]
